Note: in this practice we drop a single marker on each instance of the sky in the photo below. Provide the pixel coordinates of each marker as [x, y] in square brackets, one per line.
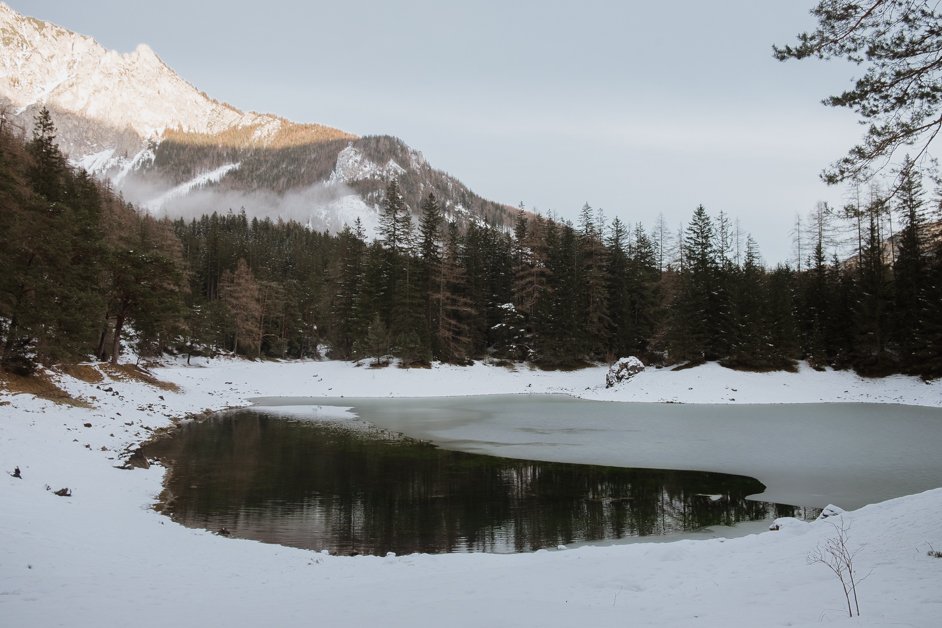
[637, 108]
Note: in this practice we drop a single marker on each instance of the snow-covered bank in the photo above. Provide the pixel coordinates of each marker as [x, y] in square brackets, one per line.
[709, 383]
[103, 556]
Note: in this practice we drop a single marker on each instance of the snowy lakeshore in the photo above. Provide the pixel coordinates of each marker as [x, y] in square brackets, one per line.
[103, 555]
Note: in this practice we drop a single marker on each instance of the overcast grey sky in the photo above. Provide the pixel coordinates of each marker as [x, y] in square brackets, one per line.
[634, 107]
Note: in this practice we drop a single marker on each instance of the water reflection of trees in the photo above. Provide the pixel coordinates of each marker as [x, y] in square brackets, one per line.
[319, 487]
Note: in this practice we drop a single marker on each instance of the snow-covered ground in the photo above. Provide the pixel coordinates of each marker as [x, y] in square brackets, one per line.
[103, 556]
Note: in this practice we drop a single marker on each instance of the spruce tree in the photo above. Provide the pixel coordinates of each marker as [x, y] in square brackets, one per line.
[871, 312]
[454, 307]
[591, 279]
[643, 277]
[48, 167]
[431, 270]
[910, 268]
[560, 337]
[346, 296]
[621, 285]
[692, 329]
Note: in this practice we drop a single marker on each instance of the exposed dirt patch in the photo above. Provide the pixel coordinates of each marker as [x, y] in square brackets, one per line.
[758, 366]
[125, 372]
[42, 386]
[688, 365]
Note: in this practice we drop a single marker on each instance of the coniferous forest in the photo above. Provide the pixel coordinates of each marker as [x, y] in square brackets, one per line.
[84, 272]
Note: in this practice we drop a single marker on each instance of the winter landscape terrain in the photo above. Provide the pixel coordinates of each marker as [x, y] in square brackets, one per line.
[103, 554]
[83, 543]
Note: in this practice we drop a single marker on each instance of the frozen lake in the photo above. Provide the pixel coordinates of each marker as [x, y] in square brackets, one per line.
[805, 454]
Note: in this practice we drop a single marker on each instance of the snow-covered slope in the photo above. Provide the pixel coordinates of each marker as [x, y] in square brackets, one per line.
[183, 189]
[45, 64]
[103, 552]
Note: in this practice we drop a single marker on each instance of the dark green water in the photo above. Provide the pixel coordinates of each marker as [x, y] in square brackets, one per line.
[325, 486]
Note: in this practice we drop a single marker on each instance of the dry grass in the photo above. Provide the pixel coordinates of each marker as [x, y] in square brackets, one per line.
[84, 372]
[39, 385]
[288, 134]
[125, 372]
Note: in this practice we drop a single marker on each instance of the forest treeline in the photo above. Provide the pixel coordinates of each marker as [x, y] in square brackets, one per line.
[84, 272]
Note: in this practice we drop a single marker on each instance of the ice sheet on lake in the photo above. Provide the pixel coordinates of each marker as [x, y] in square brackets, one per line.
[806, 454]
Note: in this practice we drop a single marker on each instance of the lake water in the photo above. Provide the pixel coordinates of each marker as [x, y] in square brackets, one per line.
[334, 475]
[364, 491]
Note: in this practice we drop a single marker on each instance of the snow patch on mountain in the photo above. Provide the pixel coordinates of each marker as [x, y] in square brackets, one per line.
[143, 157]
[97, 162]
[352, 165]
[109, 165]
[202, 180]
[392, 169]
[343, 212]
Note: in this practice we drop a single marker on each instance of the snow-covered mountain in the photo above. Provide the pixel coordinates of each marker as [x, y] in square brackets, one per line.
[168, 147]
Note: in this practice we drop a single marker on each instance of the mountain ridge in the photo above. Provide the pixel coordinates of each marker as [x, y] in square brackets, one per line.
[170, 148]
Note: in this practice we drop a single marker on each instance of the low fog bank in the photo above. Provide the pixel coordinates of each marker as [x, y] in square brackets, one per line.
[320, 206]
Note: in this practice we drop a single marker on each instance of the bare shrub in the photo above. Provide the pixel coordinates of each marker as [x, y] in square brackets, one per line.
[837, 556]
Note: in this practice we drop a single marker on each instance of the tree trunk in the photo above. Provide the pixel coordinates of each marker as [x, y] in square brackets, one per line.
[100, 351]
[116, 341]
[11, 339]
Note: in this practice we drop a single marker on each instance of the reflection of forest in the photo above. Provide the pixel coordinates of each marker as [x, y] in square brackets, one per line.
[320, 486]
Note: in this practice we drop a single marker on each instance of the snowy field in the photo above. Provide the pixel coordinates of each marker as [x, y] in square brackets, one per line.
[102, 556]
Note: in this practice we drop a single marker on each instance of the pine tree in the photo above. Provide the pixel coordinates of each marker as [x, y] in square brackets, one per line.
[376, 342]
[817, 293]
[751, 347]
[347, 316]
[145, 286]
[48, 164]
[928, 358]
[530, 275]
[53, 296]
[431, 270]
[239, 291]
[393, 229]
[475, 262]
[621, 292]
[780, 318]
[591, 278]
[401, 304]
[910, 268]
[873, 298]
[643, 277]
[692, 332]
[895, 43]
[560, 336]
[454, 307]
